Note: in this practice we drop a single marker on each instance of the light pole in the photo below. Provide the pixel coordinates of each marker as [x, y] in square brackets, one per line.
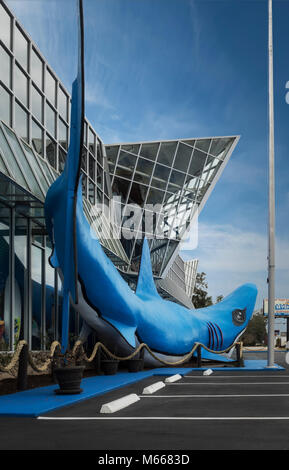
[271, 234]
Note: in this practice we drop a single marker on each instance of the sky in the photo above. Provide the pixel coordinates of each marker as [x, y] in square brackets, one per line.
[166, 69]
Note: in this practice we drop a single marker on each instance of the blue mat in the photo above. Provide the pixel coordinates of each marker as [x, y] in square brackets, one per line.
[41, 400]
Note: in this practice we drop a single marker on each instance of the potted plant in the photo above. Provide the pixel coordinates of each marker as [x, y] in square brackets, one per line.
[136, 364]
[109, 366]
[67, 371]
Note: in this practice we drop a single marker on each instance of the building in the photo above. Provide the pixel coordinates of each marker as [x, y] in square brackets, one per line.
[177, 175]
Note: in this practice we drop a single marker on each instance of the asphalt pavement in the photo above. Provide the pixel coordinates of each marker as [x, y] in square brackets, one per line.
[226, 410]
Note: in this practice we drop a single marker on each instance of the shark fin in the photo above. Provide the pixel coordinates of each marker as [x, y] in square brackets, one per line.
[53, 260]
[128, 332]
[146, 285]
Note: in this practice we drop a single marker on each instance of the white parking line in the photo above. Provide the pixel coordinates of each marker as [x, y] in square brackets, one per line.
[227, 383]
[165, 418]
[234, 376]
[217, 396]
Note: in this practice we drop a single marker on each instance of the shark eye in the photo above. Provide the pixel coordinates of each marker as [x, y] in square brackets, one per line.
[239, 316]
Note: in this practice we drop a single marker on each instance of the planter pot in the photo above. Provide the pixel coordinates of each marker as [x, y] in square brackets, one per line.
[109, 367]
[68, 379]
[135, 365]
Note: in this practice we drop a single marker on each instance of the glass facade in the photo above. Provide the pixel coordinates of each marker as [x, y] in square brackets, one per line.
[35, 103]
[173, 178]
[28, 292]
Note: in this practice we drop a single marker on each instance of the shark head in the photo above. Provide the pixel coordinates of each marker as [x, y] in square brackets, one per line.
[238, 309]
[228, 319]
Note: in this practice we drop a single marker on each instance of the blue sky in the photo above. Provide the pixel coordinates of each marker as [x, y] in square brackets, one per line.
[165, 69]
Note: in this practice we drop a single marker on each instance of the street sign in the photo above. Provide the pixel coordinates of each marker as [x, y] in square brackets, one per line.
[281, 308]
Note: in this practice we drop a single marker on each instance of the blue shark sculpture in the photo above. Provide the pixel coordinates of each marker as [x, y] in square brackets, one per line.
[121, 317]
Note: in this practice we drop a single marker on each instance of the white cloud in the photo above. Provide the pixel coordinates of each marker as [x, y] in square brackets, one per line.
[231, 256]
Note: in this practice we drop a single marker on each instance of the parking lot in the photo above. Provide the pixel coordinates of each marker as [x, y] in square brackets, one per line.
[226, 410]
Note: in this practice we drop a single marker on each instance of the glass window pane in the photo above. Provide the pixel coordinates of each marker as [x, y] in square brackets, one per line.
[161, 176]
[143, 171]
[34, 162]
[99, 153]
[62, 103]
[21, 48]
[167, 153]
[190, 142]
[99, 177]
[61, 159]
[183, 157]
[85, 133]
[91, 192]
[111, 153]
[120, 188]
[133, 148]
[50, 86]
[32, 181]
[36, 104]
[220, 147]
[138, 194]
[12, 163]
[91, 141]
[127, 160]
[50, 120]
[62, 134]
[21, 122]
[84, 186]
[84, 159]
[149, 150]
[177, 178]
[5, 68]
[5, 106]
[20, 85]
[155, 196]
[91, 167]
[51, 151]
[5, 26]
[4, 311]
[46, 170]
[197, 163]
[36, 71]
[37, 137]
[203, 144]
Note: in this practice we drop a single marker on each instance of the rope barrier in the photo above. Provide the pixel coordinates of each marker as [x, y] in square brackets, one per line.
[15, 358]
[79, 345]
[98, 345]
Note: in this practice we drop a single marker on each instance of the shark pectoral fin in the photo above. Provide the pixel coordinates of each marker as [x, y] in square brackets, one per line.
[146, 285]
[128, 332]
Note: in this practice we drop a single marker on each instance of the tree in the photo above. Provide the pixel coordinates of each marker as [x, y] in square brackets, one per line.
[200, 297]
[256, 331]
[219, 298]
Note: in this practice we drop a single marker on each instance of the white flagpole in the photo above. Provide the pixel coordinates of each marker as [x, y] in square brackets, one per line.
[271, 240]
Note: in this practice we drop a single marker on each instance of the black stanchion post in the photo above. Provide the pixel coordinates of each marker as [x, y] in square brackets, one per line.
[141, 356]
[238, 353]
[97, 361]
[22, 369]
[55, 363]
[199, 356]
